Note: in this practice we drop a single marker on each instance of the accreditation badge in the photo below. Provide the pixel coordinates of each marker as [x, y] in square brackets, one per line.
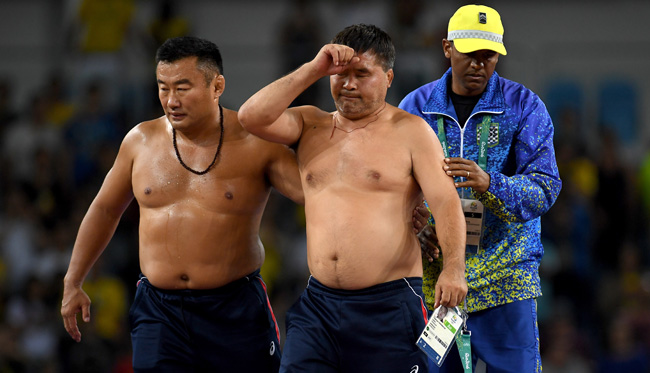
[474, 217]
[439, 334]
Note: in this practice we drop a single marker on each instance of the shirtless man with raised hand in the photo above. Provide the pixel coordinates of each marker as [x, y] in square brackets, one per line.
[362, 309]
[201, 182]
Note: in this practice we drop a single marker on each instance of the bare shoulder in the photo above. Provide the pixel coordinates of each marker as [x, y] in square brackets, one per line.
[144, 137]
[311, 114]
[250, 143]
[405, 121]
[147, 130]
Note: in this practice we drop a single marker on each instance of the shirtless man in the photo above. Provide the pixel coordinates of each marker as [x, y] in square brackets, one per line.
[201, 182]
[362, 309]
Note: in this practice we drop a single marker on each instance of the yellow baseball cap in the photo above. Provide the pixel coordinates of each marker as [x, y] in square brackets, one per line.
[476, 27]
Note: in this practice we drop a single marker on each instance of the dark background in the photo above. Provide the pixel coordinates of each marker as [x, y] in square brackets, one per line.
[76, 75]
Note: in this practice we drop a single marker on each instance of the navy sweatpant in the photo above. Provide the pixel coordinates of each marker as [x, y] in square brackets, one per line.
[367, 330]
[229, 329]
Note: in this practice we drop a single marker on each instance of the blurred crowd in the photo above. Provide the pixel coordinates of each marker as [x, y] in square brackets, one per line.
[57, 146]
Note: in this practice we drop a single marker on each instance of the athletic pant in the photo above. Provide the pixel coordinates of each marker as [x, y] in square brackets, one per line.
[229, 329]
[367, 330]
[505, 337]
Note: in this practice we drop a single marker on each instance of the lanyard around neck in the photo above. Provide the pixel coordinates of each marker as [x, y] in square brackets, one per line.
[483, 140]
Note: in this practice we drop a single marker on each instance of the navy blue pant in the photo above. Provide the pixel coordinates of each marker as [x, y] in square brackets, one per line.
[229, 329]
[367, 330]
[505, 337]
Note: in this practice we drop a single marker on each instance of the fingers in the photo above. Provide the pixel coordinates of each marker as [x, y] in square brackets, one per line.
[417, 226]
[438, 296]
[430, 232]
[423, 211]
[429, 251]
[70, 324]
[420, 218]
[342, 54]
[429, 243]
[427, 257]
[69, 311]
[450, 290]
[472, 176]
[458, 170]
[85, 312]
[448, 298]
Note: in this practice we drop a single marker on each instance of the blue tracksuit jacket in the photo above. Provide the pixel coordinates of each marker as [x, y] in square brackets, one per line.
[524, 184]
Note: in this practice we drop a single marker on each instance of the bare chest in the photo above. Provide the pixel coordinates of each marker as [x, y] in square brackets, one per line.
[362, 159]
[233, 182]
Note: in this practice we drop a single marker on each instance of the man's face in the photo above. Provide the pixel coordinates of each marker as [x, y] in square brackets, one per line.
[361, 88]
[470, 71]
[184, 95]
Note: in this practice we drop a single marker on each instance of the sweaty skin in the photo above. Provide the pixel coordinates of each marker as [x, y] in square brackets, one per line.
[342, 176]
[202, 232]
[196, 231]
[382, 159]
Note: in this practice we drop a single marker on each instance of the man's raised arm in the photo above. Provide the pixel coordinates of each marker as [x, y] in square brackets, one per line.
[265, 113]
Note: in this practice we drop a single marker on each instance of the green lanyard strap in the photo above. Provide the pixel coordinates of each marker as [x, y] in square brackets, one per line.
[441, 136]
[485, 134]
[463, 338]
[465, 350]
[483, 140]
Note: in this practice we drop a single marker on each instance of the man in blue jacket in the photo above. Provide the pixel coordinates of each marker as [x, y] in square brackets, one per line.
[498, 141]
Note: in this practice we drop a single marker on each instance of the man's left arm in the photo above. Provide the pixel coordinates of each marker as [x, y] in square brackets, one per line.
[443, 201]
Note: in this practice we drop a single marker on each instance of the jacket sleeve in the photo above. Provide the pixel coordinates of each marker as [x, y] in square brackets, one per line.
[534, 187]
[415, 101]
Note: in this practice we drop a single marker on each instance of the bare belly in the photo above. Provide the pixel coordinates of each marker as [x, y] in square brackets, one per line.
[352, 250]
[195, 251]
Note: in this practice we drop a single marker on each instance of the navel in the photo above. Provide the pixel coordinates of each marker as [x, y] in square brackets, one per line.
[228, 195]
[184, 277]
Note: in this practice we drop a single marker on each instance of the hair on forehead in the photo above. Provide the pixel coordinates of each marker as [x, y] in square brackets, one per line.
[368, 38]
[206, 52]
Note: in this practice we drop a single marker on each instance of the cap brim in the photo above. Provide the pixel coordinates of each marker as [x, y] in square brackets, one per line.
[473, 45]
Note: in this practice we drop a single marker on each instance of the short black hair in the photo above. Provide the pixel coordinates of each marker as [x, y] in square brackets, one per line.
[207, 53]
[368, 38]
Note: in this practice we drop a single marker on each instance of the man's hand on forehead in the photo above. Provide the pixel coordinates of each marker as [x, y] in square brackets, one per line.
[335, 58]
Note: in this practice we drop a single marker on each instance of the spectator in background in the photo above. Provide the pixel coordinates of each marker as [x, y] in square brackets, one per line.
[613, 214]
[623, 351]
[92, 133]
[411, 39]
[168, 24]
[96, 40]
[28, 135]
[498, 141]
[60, 108]
[7, 112]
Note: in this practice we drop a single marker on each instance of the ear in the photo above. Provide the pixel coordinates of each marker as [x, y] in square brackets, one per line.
[218, 86]
[390, 75]
[446, 47]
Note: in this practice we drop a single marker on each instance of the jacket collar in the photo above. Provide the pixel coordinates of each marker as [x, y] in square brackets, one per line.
[439, 101]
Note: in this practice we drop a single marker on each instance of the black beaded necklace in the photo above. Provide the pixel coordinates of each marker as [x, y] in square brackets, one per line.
[216, 155]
